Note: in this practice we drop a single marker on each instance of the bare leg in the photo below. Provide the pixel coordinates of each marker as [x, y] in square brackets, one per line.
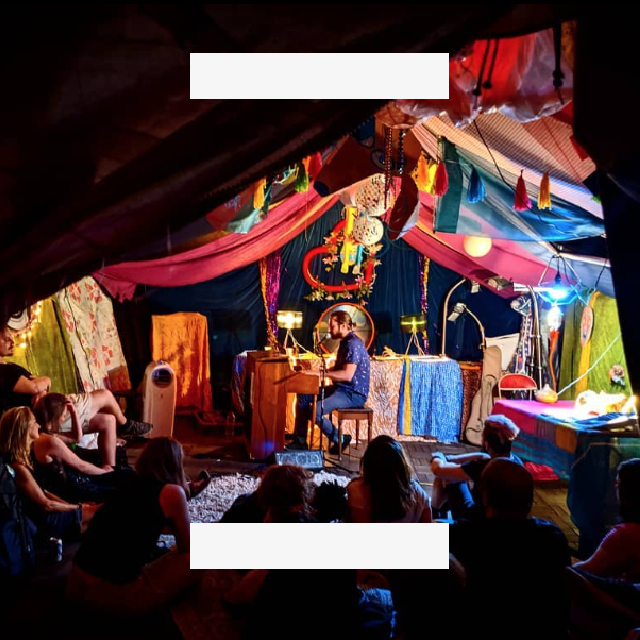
[105, 426]
[104, 402]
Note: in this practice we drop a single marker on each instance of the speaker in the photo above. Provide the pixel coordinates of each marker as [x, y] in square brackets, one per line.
[313, 459]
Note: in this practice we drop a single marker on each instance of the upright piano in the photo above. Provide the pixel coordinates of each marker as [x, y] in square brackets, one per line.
[270, 388]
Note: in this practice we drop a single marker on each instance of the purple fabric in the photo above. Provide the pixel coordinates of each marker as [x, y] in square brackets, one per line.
[273, 289]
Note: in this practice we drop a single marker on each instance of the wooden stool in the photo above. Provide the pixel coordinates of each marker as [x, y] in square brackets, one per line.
[357, 414]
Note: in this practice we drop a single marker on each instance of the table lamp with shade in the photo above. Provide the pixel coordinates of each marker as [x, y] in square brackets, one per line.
[412, 324]
[289, 320]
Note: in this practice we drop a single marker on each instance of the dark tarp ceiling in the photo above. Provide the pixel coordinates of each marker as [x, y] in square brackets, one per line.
[101, 148]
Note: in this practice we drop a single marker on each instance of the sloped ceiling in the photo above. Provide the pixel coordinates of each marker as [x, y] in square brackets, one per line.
[101, 148]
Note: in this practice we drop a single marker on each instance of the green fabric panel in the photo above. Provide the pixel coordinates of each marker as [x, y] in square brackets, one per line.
[571, 349]
[606, 326]
[48, 352]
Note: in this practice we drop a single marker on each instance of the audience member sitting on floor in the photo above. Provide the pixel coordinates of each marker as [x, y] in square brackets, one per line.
[618, 555]
[53, 516]
[515, 565]
[285, 493]
[454, 473]
[614, 567]
[17, 385]
[387, 491]
[75, 415]
[58, 470]
[329, 505]
[112, 570]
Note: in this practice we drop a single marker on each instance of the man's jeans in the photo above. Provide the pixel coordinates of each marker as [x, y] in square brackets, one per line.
[334, 398]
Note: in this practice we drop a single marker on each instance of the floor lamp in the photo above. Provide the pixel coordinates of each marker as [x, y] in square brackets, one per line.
[459, 309]
[413, 324]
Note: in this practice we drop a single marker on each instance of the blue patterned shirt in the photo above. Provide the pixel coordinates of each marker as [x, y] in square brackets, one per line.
[353, 351]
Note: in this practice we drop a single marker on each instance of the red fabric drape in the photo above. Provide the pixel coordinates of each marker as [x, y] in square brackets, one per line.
[233, 251]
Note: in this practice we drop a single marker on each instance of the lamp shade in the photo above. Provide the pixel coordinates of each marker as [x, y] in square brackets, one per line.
[477, 246]
[289, 319]
[413, 323]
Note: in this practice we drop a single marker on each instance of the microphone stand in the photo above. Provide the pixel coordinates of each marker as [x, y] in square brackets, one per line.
[323, 373]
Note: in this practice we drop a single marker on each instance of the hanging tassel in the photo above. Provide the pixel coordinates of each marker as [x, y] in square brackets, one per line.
[258, 194]
[544, 194]
[441, 182]
[522, 202]
[476, 191]
[302, 181]
[315, 165]
[421, 174]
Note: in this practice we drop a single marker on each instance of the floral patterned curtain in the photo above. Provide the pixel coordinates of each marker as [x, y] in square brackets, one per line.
[87, 316]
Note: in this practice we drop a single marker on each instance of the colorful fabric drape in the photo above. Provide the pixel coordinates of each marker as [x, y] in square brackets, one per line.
[226, 254]
[87, 316]
[431, 399]
[495, 217]
[48, 351]
[182, 340]
[576, 359]
[270, 284]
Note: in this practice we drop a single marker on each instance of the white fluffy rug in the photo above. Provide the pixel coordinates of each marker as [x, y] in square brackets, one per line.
[211, 504]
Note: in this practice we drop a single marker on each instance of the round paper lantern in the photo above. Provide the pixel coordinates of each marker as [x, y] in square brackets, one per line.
[370, 197]
[477, 246]
[367, 231]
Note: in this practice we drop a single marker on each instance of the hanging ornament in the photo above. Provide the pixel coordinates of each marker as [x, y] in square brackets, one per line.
[476, 191]
[302, 181]
[477, 246]
[258, 194]
[421, 174]
[388, 148]
[315, 165]
[441, 182]
[370, 198]
[544, 194]
[401, 158]
[616, 375]
[367, 231]
[522, 202]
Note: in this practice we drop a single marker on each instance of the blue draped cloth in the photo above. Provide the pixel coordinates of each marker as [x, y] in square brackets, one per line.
[433, 405]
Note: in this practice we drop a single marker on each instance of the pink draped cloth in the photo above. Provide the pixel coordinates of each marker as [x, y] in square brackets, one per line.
[221, 256]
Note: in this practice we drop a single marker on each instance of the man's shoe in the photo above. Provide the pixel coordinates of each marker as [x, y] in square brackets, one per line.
[135, 429]
[346, 441]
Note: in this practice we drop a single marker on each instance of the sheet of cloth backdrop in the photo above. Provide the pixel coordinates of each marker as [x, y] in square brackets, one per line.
[48, 351]
[396, 290]
[182, 340]
[576, 359]
[234, 309]
[463, 335]
[87, 315]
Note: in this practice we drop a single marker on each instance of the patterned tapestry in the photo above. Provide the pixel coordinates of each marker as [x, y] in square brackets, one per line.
[87, 316]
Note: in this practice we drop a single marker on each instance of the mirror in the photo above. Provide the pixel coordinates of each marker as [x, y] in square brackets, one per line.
[362, 326]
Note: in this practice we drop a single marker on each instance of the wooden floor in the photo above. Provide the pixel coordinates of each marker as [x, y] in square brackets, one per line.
[212, 450]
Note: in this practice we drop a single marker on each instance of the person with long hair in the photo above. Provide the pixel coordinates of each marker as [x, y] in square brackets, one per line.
[455, 475]
[114, 569]
[387, 491]
[52, 515]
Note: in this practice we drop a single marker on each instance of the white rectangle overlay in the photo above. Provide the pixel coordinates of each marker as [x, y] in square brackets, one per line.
[319, 546]
[319, 76]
